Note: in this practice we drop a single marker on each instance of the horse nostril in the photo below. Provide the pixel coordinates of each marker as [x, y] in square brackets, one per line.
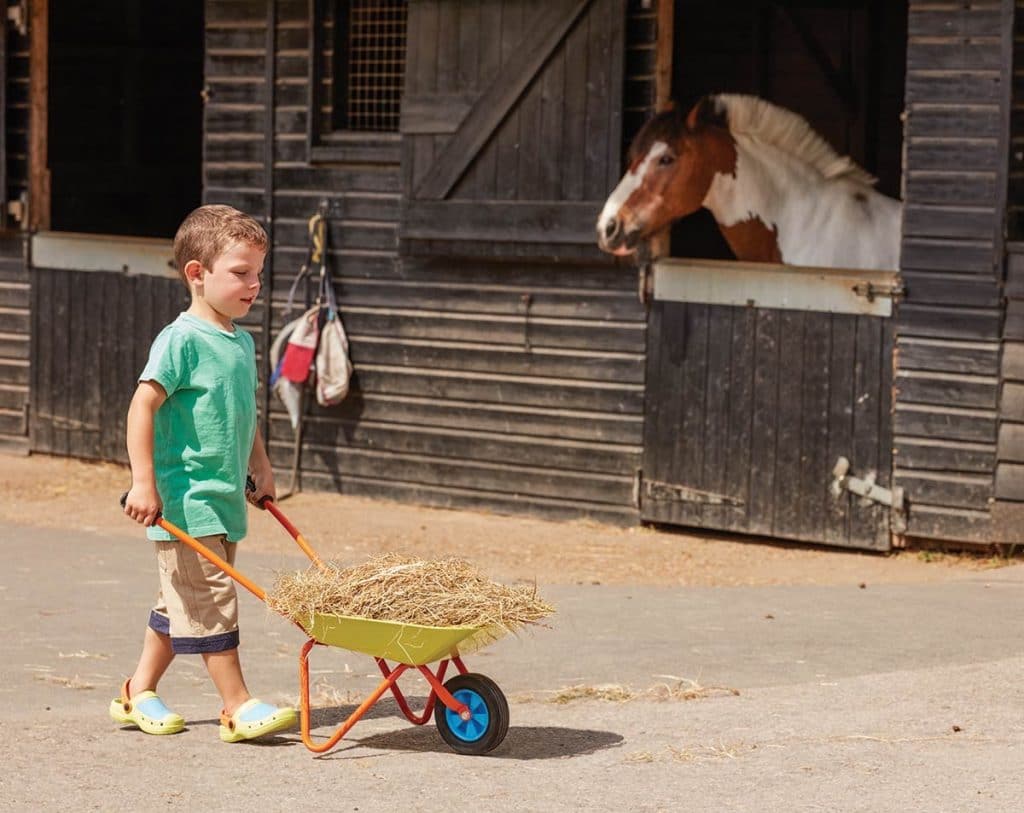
[611, 228]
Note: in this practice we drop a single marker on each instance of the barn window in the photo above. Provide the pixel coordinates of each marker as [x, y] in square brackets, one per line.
[356, 79]
[369, 64]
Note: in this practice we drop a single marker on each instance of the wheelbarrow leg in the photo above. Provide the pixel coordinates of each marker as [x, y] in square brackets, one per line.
[353, 718]
[444, 695]
[403, 704]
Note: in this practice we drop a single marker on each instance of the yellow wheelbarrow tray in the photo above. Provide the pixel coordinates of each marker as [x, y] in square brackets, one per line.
[472, 716]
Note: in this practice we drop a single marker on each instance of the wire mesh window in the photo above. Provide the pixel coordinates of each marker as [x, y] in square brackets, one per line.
[369, 64]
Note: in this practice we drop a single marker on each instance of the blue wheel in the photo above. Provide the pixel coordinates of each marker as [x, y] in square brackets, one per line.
[488, 715]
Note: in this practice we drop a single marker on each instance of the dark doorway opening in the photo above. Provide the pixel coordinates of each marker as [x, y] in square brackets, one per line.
[841, 64]
[125, 115]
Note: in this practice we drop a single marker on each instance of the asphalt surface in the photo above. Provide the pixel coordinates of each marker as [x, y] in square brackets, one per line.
[873, 698]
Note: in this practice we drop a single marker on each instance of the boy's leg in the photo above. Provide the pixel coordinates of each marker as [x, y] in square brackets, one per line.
[138, 703]
[156, 657]
[204, 621]
[225, 670]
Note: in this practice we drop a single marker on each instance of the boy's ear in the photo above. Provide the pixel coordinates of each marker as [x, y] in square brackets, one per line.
[193, 271]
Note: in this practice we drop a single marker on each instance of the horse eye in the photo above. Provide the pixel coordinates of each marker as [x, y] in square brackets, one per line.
[666, 159]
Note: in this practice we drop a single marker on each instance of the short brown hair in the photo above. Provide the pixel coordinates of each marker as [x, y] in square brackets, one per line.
[209, 230]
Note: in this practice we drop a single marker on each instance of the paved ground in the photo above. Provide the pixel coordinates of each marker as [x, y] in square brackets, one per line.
[891, 697]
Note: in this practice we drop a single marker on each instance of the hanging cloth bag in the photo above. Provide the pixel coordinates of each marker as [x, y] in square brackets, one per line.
[333, 367]
[293, 351]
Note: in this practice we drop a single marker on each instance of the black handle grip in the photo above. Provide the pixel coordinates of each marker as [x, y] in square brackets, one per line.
[250, 487]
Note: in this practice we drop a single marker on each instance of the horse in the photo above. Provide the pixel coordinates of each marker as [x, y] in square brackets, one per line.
[777, 190]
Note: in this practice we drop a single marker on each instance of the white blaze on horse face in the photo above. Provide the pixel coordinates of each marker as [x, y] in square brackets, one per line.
[630, 183]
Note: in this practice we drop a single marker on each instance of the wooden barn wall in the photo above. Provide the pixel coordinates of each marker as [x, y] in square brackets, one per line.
[92, 331]
[949, 325]
[14, 280]
[1009, 483]
[513, 387]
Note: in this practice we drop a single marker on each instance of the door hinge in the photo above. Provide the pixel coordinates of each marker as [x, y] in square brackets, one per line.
[870, 492]
[676, 492]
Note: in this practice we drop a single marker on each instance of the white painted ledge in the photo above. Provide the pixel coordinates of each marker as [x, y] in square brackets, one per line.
[103, 252]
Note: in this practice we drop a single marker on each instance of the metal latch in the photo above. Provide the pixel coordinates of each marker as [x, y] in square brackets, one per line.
[869, 290]
[870, 492]
[675, 492]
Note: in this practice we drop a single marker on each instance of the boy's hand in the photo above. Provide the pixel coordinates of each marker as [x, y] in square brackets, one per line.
[263, 482]
[143, 504]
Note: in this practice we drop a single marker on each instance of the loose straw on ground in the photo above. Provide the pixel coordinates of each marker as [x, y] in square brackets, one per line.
[434, 593]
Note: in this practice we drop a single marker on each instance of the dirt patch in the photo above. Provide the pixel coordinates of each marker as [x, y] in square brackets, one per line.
[67, 493]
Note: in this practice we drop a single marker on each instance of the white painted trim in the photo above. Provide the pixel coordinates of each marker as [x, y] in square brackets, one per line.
[763, 285]
[103, 252]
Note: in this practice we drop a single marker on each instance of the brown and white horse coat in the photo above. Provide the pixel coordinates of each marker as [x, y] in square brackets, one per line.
[777, 190]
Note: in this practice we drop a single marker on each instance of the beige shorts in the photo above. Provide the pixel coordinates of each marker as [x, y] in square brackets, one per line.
[197, 606]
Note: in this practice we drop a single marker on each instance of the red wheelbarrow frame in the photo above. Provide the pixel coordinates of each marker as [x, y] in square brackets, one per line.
[391, 675]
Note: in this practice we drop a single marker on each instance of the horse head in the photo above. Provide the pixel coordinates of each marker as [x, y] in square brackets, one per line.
[672, 162]
[777, 190]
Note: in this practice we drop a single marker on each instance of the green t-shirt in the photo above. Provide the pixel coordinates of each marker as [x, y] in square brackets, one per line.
[203, 432]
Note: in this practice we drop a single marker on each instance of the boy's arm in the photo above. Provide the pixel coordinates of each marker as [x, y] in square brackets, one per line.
[262, 473]
[143, 502]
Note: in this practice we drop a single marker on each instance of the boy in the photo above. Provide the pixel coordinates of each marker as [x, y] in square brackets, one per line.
[191, 439]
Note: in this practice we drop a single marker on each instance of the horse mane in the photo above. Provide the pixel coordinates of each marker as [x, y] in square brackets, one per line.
[788, 131]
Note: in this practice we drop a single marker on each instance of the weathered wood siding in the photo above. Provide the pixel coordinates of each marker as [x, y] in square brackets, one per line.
[1008, 510]
[513, 386]
[754, 406]
[92, 333]
[949, 326]
[14, 279]
[511, 132]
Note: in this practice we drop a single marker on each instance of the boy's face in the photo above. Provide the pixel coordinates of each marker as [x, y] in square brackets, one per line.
[230, 286]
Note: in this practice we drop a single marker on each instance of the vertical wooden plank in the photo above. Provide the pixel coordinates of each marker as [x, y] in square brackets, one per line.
[575, 112]
[741, 414]
[718, 429]
[59, 384]
[669, 439]
[482, 172]
[690, 465]
[789, 424]
[654, 402]
[865, 520]
[429, 40]
[110, 376]
[129, 353]
[663, 57]
[840, 420]
[40, 422]
[765, 424]
[551, 142]
[529, 181]
[39, 175]
[74, 333]
[812, 477]
[91, 305]
[514, 22]
[885, 433]
[595, 186]
[616, 33]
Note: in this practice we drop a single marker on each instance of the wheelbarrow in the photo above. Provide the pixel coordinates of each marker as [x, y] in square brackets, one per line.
[472, 716]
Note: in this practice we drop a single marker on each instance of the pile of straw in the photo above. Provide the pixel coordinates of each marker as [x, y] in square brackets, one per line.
[438, 593]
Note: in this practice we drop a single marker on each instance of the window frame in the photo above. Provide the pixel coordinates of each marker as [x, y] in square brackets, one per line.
[342, 146]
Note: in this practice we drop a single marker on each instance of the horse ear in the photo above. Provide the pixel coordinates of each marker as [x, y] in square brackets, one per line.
[706, 112]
